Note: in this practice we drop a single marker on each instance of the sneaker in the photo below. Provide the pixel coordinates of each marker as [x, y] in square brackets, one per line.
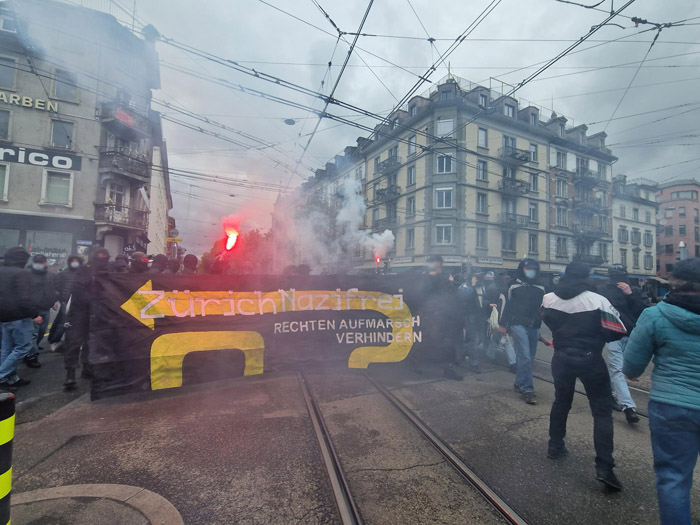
[20, 382]
[557, 453]
[513, 368]
[32, 362]
[529, 398]
[451, 372]
[609, 479]
[631, 415]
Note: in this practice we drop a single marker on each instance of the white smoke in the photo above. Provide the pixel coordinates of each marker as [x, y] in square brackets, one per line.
[306, 230]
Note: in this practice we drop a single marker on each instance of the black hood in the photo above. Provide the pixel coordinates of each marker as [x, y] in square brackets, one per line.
[160, 262]
[16, 256]
[568, 288]
[74, 258]
[520, 273]
[687, 300]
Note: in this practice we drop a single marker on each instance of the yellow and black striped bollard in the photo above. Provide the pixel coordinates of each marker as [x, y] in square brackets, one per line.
[7, 433]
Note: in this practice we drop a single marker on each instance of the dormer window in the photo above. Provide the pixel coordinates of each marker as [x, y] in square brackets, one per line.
[483, 100]
[412, 110]
[533, 119]
[509, 110]
[561, 130]
[394, 122]
[446, 95]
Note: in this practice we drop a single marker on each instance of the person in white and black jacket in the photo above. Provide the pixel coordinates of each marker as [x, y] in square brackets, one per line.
[582, 321]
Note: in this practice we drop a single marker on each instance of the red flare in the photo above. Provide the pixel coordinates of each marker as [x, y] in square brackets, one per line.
[231, 238]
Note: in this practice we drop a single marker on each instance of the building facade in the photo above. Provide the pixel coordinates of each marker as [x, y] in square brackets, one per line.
[481, 180]
[678, 221]
[634, 225]
[76, 131]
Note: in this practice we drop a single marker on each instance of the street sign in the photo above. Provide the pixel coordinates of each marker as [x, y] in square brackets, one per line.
[173, 239]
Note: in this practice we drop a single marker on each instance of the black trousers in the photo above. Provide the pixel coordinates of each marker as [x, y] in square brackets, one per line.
[76, 345]
[593, 373]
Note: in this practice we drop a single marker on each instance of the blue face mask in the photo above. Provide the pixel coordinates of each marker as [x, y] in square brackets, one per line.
[530, 274]
[39, 267]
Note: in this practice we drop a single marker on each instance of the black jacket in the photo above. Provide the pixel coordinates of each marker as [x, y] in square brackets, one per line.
[523, 302]
[581, 320]
[630, 307]
[16, 301]
[64, 283]
[43, 289]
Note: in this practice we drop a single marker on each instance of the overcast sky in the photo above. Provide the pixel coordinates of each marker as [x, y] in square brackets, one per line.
[517, 34]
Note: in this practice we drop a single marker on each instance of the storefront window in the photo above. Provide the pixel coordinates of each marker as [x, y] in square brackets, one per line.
[54, 245]
[8, 239]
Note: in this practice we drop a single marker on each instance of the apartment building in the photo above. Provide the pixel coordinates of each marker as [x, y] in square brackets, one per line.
[678, 221]
[482, 180]
[634, 225]
[77, 134]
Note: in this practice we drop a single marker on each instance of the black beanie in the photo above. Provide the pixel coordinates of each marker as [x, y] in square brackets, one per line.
[688, 270]
[577, 270]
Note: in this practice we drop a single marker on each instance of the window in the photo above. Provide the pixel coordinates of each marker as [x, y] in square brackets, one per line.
[669, 268]
[668, 213]
[443, 198]
[581, 165]
[533, 212]
[410, 238]
[623, 212]
[562, 219]
[697, 216]
[4, 124]
[8, 23]
[622, 234]
[481, 170]
[482, 205]
[697, 234]
[508, 172]
[684, 195]
[509, 110]
[481, 238]
[393, 152]
[4, 180]
[57, 188]
[647, 217]
[7, 72]
[411, 176]
[446, 95]
[445, 127]
[668, 249]
[533, 152]
[668, 231]
[482, 138]
[648, 238]
[65, 85]
[61, 134]
[533, 119]
[697, 251]
[411, 206]
[375, 215]
[116, 194]
[561, 188]
[681, 230]
[509, 144]
[358, 173]
[508, 241]
[561, 130]
[681, 211]
[411, 144]
[562, 250]
[533, 181]
[603, 251]
[443, 234]
[623, 258]
[376, 164]
[483, 100]
[444, 164]
[561, 160]
[635, 259]
[601, 172]
[636, 236]
[648, 261]
[532, 243]
[412, 111]
[394, 123]
[635, 214]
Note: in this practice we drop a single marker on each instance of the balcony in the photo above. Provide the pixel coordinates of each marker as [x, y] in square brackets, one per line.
[124, 164]
[589, 204]
[593, 260]
[590, 232]
[383, 224]
[512, 220]
[124, 120]
[514, 186]
[392, 163]
[389, 193]
[588, 177]
[121, 216]
[514, 156]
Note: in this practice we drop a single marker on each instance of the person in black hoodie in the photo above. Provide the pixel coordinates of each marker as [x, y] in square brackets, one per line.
[582, 321]
[160, 264]
[189, 264]
[64, 285]
[18, 313]
[521, 318]
[45, 298]
[78, 325]
[630, 303]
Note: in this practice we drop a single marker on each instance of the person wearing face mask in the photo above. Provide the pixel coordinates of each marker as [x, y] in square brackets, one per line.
[45, 298]
[630, 303]
[189, 264]
[160, 264]
[120, 264]
[78, 316]
[521, 319]
[64, 285]
[139, 263]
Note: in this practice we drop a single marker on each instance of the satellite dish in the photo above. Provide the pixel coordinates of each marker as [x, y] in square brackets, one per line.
[289, 121]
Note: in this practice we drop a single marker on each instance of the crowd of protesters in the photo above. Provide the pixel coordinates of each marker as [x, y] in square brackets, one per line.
[471, 317]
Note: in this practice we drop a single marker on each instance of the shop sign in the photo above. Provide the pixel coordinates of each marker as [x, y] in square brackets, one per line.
[452, 258]
[28, 102]
[37, 157]
[489, 260]
[402, 260]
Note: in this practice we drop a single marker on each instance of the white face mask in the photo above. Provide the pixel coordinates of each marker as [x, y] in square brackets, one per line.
[38, 267]
[75, 264]
[530, 274]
